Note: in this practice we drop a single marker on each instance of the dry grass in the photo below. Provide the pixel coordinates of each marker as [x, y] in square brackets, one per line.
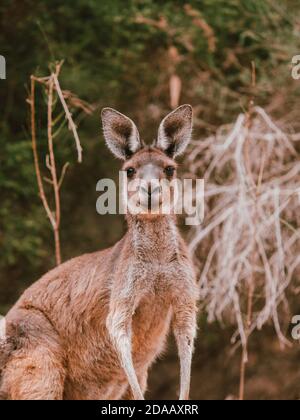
[248, 246]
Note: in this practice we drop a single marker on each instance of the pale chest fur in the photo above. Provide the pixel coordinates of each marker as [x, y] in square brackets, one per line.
[150, 325]
[158, 266]
[155, 243]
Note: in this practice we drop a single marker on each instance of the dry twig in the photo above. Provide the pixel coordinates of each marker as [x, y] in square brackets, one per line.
[52, 87]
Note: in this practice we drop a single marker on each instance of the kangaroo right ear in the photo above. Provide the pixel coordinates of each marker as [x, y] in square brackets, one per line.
[175, 131]
[120, 133]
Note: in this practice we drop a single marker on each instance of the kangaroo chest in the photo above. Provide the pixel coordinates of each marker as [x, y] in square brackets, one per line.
[150, 325]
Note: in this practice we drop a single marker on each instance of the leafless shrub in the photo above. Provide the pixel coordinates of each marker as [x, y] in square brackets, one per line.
[67, 99]
[248, 247]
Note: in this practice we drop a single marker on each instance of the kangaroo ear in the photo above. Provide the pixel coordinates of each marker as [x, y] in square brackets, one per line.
[120, 133]
[175, 131]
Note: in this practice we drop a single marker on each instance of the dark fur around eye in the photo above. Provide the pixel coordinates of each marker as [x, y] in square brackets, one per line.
[130, 172]
[169, 170]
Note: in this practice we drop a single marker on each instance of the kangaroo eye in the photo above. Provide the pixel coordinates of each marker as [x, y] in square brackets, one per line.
[169, 170]
[130, 172]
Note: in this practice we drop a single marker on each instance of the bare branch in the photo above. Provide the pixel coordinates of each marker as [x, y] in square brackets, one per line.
[35, 154]
[53, 173]
[63, 173]
[52, 85]
[72, 125]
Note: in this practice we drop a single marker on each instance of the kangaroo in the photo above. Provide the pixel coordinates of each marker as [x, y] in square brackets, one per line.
[92, 327]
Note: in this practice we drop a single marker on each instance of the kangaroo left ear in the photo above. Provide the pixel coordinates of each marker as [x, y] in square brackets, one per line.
[120, 133]
[175, 131]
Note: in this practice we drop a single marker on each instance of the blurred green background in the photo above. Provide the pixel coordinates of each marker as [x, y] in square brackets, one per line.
[122, 53]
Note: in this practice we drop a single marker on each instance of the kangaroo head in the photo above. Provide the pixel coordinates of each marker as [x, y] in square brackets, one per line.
[148, 167]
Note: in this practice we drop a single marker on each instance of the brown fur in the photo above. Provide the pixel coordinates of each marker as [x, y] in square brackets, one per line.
[72, 334]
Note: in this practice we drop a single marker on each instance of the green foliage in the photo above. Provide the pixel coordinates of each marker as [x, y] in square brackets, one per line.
[21, 216]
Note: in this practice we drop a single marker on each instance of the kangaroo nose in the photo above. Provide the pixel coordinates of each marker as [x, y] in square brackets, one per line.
[146, 190]
[150, 190]
[156, 190]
